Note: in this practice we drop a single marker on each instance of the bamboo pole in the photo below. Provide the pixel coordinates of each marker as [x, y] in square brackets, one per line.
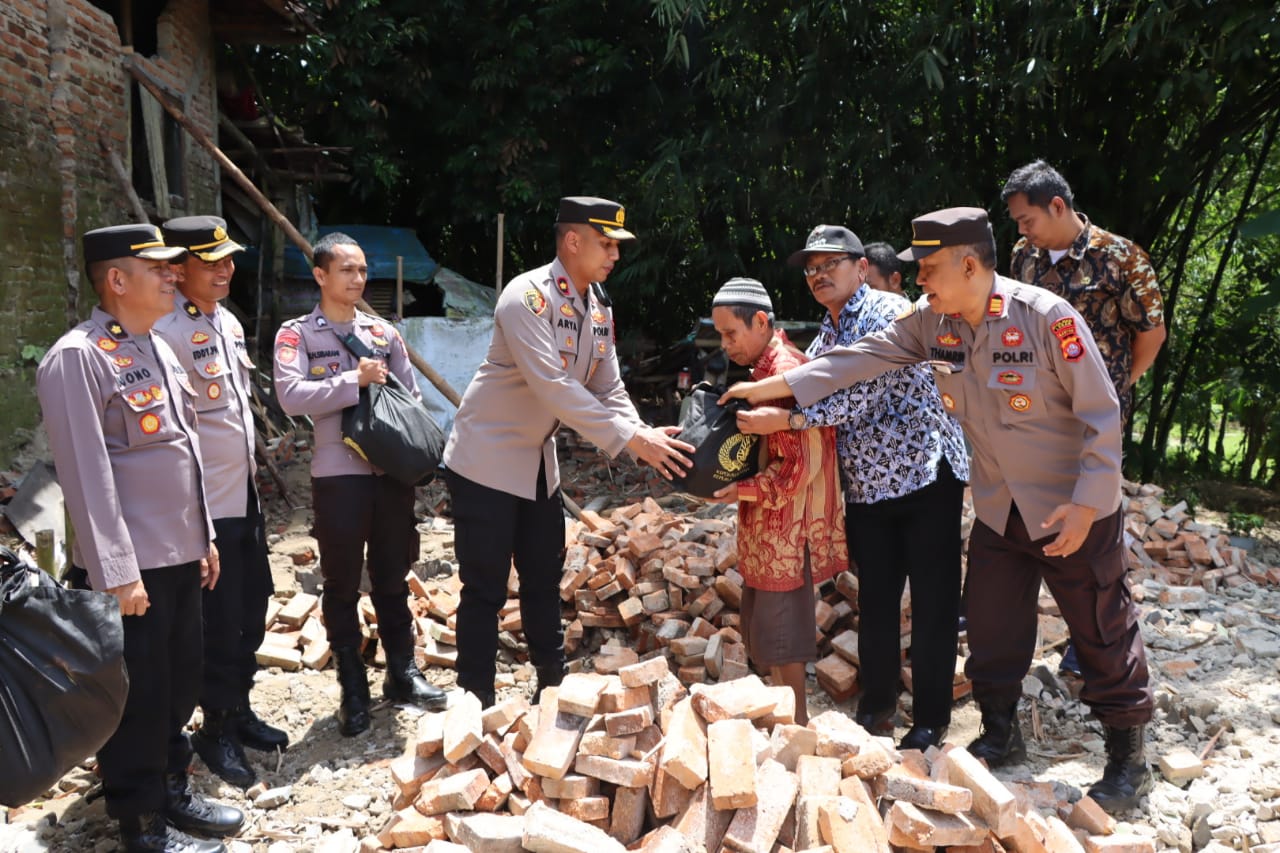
[497, 284]
[272, 212]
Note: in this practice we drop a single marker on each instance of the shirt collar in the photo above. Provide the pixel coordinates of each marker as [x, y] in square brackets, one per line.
[849, 312]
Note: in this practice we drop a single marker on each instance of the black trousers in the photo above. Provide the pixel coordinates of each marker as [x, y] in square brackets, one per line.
[915, 537]
[491, 528]
[235, 610]
[353, 511]
[1004, 587]
[162, 652]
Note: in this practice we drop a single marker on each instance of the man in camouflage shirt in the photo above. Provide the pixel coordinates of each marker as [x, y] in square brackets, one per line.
[1105, 277]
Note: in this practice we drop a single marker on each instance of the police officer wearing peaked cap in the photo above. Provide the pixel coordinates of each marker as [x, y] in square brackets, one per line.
[119, 411]
[1017, 366]
[210, 343]
[551, 361]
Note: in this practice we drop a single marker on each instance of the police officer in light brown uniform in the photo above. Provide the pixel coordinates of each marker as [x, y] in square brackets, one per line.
[356, 505]
[120, 414]
[209, 342]
[551, 361]
[1018, 368]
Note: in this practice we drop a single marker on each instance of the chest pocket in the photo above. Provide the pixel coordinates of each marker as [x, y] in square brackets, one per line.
[147, 417]
[1019, 397]
[951, 390]
[210, 382]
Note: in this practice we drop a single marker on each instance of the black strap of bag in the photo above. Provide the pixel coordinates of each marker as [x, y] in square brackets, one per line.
[356, 346]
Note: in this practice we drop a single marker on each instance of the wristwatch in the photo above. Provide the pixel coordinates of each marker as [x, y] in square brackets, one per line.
[797, 420]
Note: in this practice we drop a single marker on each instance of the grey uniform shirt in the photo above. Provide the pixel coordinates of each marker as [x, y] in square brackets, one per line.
[213, 353]
[316, 375]
[1028, 387]
[552, 360]
[120, 415]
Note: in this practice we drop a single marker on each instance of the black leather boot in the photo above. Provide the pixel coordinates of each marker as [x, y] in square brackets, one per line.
[878, 723]
[1000, 742]
[217, 742]
[550, 675]
[188, 811]
[923, 737]
[353, 710]
[256, 734]
[149, 833]
[406, 683]
[1126, 778]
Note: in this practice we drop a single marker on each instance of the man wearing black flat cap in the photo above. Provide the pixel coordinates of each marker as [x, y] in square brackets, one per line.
[1019, 369]
[119, 411]
[551, 362]
[210, 343]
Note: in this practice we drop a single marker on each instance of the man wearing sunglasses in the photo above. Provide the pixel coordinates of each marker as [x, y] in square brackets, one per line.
[903, 467]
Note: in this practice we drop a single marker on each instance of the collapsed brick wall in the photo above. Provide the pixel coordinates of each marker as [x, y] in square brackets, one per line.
[63, 91]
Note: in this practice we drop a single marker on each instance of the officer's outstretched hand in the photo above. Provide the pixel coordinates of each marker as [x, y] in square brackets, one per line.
[1076, 521]
[210, 568]
[371, 370]
[763, 420]
[658, 447]
[770, 388]
[132, 597]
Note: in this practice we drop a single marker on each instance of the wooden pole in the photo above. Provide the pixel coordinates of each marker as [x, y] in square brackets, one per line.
[400, 286]
[117, 166]
[497, 284]
[273, 213]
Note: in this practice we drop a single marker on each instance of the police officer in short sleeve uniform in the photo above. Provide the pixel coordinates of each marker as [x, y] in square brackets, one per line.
[355, 504]
[210, 343]
[551, 361]
[120, 414]
[1018, 368]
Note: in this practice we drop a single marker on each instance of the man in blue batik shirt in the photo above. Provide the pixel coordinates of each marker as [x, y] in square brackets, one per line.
[904, 466]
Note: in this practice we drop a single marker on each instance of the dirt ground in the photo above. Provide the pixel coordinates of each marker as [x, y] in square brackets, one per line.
[1215, 674]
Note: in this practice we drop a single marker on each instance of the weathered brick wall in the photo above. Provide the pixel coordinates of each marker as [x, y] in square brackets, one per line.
[63, 90]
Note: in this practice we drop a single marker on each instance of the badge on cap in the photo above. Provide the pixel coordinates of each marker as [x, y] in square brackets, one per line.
[535, 301]
[123, 361]
[949, 339]
[948, 402]
[1020, 403]
[1012, 336]
[562, 285]
[214, 390]
[107, 345]
[149, 423]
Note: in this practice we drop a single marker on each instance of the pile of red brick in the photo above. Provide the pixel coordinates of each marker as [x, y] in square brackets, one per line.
[634, 760]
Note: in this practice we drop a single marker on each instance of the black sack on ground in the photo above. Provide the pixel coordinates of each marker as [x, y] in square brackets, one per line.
[62, 678]
[724, 455]
[395, 432]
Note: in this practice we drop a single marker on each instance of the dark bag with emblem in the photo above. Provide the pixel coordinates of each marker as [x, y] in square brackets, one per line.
[62, 677]
[391, 429]
[723, 454]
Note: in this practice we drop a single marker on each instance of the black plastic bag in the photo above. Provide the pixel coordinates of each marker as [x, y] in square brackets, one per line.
[724, 455]
[394, 431]
[62, 678]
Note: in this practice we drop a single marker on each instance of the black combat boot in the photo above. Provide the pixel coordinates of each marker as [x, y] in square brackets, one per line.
[256, 734]
[188, 811]
[406, 683]
[878, 723]
[1000, 742]
[218, 743]
[149, 833]
[1126, 777]
[353, 711]
[923, 737]
[550, 675]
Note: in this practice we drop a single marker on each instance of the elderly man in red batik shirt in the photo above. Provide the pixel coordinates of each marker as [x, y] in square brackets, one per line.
[791, 515]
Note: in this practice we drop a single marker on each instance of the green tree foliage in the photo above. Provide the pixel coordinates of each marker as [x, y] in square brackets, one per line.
[731, 128]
